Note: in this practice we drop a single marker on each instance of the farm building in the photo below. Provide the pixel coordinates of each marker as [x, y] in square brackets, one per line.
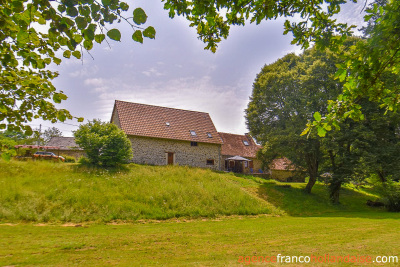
[161, 135]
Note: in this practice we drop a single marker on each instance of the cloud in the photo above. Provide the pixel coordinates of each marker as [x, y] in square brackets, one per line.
[152, 72]
[223, 103]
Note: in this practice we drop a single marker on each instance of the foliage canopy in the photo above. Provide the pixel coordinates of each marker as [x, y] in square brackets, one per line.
[36, 33]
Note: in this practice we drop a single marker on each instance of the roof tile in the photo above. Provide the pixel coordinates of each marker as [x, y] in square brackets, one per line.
[161, 122]
[233, 145]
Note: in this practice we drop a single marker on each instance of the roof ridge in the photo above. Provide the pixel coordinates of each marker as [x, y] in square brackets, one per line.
[234, 134]
[162, 107]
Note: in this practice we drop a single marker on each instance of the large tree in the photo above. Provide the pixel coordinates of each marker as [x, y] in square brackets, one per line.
[286, 95]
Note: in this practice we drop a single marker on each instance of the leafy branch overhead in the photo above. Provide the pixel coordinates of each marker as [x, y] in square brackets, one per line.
[35, 34]
[364, 67]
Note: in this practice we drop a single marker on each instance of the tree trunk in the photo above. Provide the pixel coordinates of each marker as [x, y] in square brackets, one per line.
[311, 182]
[334, 190]
[312, 167]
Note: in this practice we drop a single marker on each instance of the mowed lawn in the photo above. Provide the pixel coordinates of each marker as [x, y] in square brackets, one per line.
[198, 242]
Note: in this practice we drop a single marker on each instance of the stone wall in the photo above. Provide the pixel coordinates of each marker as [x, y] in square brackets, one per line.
[288, 176]
[154, 151]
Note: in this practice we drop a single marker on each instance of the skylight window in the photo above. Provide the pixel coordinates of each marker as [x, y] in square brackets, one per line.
[167, 123]
[209, 135]
[193, 133]
[246, 143]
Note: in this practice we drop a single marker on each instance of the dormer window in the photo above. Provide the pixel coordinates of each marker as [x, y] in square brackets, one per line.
[246, 143]
[209, 135]
[193, 133]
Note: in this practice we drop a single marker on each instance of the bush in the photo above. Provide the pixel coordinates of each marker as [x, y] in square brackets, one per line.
[104, 143]
[390, 192]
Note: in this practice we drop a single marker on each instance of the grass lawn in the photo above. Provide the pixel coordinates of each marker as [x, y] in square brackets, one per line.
[61, 215]
[198, 242]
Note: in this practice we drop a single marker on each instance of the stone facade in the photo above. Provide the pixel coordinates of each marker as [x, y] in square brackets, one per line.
[154, 151]
[288, 176]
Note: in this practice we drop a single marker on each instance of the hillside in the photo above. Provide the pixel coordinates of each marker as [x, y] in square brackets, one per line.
[46, 191]
[51, 192]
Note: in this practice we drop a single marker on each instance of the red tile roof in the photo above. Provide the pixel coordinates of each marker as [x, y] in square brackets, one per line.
[282, 164]
[161, 122]
[233, 145]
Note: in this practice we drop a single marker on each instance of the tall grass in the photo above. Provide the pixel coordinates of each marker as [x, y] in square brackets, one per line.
[47, 191]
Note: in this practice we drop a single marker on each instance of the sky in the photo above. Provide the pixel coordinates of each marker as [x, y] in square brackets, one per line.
[174, 70]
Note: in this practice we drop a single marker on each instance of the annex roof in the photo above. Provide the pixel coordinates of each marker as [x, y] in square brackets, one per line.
[282, 164]
[162, 122]
[241, 145]
[64, 143]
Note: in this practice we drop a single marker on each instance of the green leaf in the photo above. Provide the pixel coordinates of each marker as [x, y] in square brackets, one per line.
[80, 119]
[56, 60]
[78, 38]
[22, 37]
[106, 2]
[72, 11]
[99, 38]
[317, 116]
[67, 54]
[149, 32]
[81, 22]
[124, 6]
[76, 54]
[321, 131]
[88, 34]
[137, 36]
[17, 6]
[58, 97]
[139, 16]
[61, 8]
[114, 34]
[88, 45]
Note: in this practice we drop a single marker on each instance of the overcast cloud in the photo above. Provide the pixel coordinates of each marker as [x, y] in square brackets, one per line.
[174, 70]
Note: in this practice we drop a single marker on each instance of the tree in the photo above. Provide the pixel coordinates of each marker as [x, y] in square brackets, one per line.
[26, 50]
[104, 143]
[294, 90]
[364, 64]
[287, 94]
[51, 132]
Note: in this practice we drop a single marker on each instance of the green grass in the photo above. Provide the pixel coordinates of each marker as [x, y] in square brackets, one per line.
[50, 192]
[291, 198]
[199, 242]
[206, 218]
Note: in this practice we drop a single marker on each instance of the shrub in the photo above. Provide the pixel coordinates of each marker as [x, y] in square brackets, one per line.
[390, 192]
[104, 143]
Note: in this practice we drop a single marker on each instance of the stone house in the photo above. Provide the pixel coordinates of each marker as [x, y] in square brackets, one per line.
[161, 135]
[243, 146]
[66, 146]
[282, 169]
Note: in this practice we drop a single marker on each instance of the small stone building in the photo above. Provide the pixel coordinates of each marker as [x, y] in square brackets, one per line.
[282, 169]
[162, 136]
[243, 146]
[66, 147]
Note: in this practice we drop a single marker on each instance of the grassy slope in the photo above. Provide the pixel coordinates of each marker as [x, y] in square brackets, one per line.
[46, 191]
[64, 192]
